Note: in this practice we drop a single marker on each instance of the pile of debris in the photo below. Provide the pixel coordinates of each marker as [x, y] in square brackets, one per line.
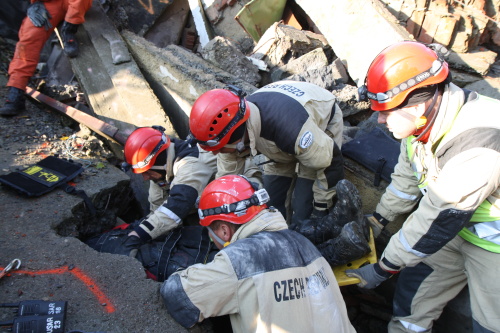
[167, 58]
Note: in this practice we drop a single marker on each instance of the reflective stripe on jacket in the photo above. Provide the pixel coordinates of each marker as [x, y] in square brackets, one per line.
[458, 170]
[486, 212]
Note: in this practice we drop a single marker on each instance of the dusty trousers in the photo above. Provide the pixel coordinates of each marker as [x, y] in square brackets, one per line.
[32, 38]
[423, 291]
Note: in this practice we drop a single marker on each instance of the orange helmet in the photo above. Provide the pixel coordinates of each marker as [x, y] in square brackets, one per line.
[216, 114]
[143, 147]
[400, 69]
[232, 199]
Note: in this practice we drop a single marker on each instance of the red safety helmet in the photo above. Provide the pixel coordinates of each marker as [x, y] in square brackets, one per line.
[143, 147]
[232, 199]
[215, 116]
[400, 69]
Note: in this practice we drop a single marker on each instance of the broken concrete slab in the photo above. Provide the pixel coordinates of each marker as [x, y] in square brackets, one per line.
[104, 292]
[281, 43]
[117, 93]
[168, 28]
[178, 77]
[328, 77]
[315, 59]
[367, 22]
[489, 86]
[478, 61]
[221, 52]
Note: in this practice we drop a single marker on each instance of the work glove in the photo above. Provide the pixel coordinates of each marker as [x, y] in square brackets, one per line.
[370, 275]
[39, 16]
[377, 222]
[130, 245]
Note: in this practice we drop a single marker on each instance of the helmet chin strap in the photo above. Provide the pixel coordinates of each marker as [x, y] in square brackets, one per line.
[424, 123]
[217, 238]
[240, 146]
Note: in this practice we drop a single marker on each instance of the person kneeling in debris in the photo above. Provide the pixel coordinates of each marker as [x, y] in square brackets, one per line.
[177, 174]
[36, 28]
[297, 126]
[265, 276]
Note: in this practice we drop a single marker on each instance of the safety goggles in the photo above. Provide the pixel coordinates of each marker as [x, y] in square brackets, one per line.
[239, 115]
[239, 208]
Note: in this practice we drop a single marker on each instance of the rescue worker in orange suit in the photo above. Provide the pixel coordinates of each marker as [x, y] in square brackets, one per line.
[265, 276]
[290, 123]
[449, 172]
[36, 28]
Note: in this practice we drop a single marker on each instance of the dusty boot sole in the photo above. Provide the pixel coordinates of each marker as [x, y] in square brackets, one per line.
[348, 208]
[348, 246]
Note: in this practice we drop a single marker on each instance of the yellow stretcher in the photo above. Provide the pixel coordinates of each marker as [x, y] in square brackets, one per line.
[370, 258]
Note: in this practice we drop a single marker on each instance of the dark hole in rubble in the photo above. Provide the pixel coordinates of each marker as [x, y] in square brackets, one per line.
[113, 206]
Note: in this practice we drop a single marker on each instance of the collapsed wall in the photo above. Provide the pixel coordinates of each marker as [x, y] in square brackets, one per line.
[178, 76]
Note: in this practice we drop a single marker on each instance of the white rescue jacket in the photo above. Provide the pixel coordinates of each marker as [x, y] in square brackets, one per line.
[269, 279]
[292, 122]
[188, 171]
[450, 176]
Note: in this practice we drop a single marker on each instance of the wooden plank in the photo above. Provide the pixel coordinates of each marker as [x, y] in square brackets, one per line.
[118, 93]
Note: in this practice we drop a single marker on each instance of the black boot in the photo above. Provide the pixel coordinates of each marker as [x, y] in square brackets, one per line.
[15, 103]
[351, 244]
[68, 31]
[348, 208]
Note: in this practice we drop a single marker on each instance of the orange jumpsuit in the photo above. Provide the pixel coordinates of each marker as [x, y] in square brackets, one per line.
[32, 39]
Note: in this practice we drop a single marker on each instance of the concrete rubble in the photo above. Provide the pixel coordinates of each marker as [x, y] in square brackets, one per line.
[145, 63]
